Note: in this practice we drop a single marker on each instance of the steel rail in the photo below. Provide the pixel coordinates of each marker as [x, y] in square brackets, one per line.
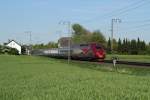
[130, 63]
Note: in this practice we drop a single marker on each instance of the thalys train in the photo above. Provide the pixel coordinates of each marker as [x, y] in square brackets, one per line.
[88, 51]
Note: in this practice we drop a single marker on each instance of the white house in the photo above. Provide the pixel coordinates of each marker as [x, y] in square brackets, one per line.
[13, 44]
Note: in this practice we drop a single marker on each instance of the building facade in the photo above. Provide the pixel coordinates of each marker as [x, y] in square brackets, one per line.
[13, 44]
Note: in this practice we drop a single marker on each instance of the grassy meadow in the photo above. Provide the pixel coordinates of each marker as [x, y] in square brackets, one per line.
[39, 78]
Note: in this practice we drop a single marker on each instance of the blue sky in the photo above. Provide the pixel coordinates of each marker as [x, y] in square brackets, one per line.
[42, 18]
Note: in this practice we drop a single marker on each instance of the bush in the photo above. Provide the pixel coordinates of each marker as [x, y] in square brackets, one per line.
[8, 50]
[1, 51]
[13, 51]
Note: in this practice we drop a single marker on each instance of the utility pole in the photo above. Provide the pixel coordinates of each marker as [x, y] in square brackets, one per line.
[30, 37]
[30, 42]
[68, 23]
[113, 21]
[69, 41]
[116, 20]
[112, 33]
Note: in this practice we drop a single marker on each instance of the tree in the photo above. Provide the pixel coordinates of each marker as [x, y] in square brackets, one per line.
[78, 29]
[45, 46]
[115, 45]
[128, 46]
[148, 49]
[139, 44]
[52, 45]
[119, 46]
[143, 46]
[8, 50]
[82, 35]
[1, 49]
[124, 45]
[13, 51]
[142, 49]
[134, 49]
[98, 37]
[109, 46]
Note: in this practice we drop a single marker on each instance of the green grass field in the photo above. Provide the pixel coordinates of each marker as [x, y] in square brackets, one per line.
[39, 78]
[136, 58]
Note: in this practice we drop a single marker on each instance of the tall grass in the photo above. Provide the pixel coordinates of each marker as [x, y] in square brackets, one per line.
[38, 78]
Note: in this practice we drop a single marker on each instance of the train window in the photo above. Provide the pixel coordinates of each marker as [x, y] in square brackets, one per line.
[98, 47]
[84, 45]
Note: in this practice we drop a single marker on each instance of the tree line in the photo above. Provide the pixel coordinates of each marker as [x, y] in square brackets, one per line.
[45, 46]
[127, 46]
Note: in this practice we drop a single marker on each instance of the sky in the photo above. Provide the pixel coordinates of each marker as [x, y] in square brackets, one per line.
[42, 18]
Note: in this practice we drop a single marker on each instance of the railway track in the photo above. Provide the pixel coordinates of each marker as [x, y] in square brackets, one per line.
[129, 63]
[138, 64]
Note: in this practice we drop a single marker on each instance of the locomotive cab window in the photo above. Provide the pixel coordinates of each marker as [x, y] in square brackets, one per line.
[98, 47]
[84, 45]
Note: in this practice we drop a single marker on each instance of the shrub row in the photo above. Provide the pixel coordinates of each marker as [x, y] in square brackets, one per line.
[8, 50]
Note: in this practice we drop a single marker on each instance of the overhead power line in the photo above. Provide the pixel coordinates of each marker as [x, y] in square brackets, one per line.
[132, 8]
[126, 7]
[137, 21]
[120, 11]
[138, 27]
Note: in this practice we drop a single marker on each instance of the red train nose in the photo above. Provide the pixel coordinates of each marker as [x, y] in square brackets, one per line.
[100, 54]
